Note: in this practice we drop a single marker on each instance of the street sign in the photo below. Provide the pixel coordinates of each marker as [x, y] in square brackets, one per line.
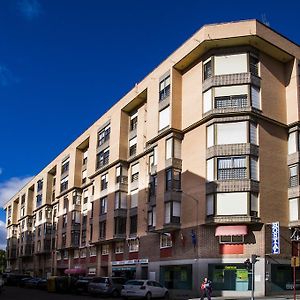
[295, 261]
[275, 238]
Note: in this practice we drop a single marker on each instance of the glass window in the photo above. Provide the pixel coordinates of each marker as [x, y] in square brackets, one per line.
[207, 69]
[165, 240]
[164, 88]
[103, 135]
[164, 118]
[232, 168]
[103, 205]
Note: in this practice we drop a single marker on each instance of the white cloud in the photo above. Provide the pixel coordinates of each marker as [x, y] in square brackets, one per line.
[2, 235]
[10, 187]
[30, 9]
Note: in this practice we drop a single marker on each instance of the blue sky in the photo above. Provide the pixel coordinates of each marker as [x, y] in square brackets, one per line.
[65, 62]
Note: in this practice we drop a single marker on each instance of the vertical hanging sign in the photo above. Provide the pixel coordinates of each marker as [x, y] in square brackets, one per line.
[275, 238]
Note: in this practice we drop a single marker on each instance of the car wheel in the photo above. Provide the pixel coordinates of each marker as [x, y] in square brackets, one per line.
[115, 293]
[148, 296]
[167, 296]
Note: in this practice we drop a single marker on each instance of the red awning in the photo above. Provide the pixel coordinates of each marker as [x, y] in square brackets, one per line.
[231, 230]
[75, 271]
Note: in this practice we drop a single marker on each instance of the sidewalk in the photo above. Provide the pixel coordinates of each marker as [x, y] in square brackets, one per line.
[275, 297]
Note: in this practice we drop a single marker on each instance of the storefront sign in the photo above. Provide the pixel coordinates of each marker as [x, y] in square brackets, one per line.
[275, 238]
[230, 268]
[130, 262]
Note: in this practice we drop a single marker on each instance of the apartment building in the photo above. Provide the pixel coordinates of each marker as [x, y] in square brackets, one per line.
[182, 178]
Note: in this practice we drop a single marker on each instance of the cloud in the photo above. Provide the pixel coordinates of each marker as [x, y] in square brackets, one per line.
[30, 9]
[10, 187]
[2, 235]
[6, 76]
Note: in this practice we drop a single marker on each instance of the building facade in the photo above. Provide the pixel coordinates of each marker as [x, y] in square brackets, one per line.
[182, 178]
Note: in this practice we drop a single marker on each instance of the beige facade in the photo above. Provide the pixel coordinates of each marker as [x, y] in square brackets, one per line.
[182, 177]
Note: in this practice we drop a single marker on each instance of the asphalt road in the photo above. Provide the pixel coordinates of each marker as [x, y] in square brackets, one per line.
[16, 293]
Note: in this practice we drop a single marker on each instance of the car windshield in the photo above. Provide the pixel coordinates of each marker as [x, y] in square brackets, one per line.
[135, 282]
[100, 280]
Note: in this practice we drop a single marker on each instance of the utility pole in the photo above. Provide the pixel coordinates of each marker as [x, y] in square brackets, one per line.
[250, 265]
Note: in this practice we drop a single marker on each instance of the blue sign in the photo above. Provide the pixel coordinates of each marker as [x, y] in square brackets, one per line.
[275, 238]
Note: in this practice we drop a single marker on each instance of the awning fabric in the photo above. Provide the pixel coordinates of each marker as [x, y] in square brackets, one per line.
[75, 271]
[231, 230]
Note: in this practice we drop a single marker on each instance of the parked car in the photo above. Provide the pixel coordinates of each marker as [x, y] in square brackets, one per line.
[38, 283]
[14, 279]
[81, 285]
[23, 280]
[144, 289]
[106, 286]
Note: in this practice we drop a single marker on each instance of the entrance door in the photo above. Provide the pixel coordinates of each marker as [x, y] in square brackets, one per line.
[229, 280]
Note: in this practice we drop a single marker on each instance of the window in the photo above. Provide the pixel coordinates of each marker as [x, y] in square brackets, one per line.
[103, 205]
[120, 200]
[210, 205]
[39, 199]
[173, 180]
[173, 148]
[165, 240]
[231, 239]
[134, 198]
[65, 166]
[22, 211]
[82, 253]
[85, 196]
[253, 65]
[75, 217]
[294, 209]
[85, 157]
[232, 168]
[66, 203]
[152, 217]
[153, 157]
[104, 182]
[23, 199]
[102, 230]
[133, 245]
[105, 250]
[91, 232]
[76, 198]
[254, 205]
[83, 237]
[76, 253]
[153, 185]
[164, 88]
[207, 100]
[64, 221]
[64, 184]
[120, 225]
[103, 135]
[292, 143]
[255, 97]
[92, 209]
[64, 240]
[232, 203]
[133, 224]
[164, 118]
[253, 134]
[39, 185]
[84, 220]
[172, 212]
[93, 251]
[84, 176]
[102, 158]
[207, 69]
[135, 172]
[40, 215]
[75, 238]
[294, 178]
[230, 64]
[254, 168]
[119, 247]
[133, 121]
[132, 146]
[231, 96]
[118, 174]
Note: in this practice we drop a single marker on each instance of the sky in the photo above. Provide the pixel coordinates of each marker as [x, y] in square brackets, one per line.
[63, 63]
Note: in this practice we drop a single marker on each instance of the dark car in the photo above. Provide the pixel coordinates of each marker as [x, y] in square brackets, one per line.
[81, 285]
[38, 283]
[23, 280]
[106, 286]
[14, 279]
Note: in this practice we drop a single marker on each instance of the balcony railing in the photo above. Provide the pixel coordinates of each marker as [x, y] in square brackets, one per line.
[233, 173]
[238, 101]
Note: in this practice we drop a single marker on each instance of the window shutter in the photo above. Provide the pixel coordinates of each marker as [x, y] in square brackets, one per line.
[255, 97]
[135, 169]
[231, 90]
[294, 209]
[232, 133]
[169, 148]
[231, 64]
[133, 141]
[164, 118]
[210, 136]
[210, 170]
[176, 209]
[232, 204]
[209, 205]
[207, 101]
[292, 148]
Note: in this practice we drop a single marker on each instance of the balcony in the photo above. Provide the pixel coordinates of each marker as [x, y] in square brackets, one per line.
[240, 219]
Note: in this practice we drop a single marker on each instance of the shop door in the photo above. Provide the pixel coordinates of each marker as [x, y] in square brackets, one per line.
[230, 280]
